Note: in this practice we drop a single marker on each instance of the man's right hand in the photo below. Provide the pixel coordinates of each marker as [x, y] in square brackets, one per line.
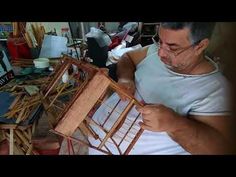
[128, 86]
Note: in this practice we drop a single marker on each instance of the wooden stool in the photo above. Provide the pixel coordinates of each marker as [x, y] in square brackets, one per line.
[19, 138]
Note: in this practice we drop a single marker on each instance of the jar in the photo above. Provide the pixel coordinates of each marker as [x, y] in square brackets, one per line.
[65, 33]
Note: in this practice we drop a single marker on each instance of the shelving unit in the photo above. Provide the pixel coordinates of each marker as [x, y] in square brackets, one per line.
[147, 31]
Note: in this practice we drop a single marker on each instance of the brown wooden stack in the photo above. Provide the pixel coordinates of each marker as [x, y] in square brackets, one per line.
[22, 107]
[19, 138]
[38, 33]
[33, 40]
[18, 29]
[22, 62]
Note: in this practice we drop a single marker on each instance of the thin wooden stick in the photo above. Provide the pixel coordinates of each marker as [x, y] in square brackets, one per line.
[87, 131]
[21, 136]
[29, 151]
[58, 76]
[80, 141]
[134, 141]
[111, 112]
[60, 91]
[130, 128]
[118, 148]
[15, 101]
[11, 147]
[123, 114]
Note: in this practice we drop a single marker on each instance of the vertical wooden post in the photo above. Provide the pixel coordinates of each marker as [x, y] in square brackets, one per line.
[11, 143]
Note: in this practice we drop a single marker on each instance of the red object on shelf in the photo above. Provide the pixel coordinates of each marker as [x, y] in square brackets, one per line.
[115, 42]
[18, 48]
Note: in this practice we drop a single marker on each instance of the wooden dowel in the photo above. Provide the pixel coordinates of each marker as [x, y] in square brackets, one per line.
[11, 143]
[122, 116]
[134, 141]
[21, 136]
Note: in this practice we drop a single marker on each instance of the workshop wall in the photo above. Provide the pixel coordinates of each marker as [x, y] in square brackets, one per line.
[223, 46]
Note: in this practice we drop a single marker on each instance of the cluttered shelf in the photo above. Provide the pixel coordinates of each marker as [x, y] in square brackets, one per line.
[147, 31]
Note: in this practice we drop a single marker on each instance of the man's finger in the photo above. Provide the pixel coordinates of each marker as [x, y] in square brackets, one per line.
[138, 107]
[146, 122]
[144, 126]
[143, 110]
[147, 109]
[122, 97]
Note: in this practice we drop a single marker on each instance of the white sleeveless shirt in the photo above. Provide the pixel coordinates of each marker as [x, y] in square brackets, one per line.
[206, 94]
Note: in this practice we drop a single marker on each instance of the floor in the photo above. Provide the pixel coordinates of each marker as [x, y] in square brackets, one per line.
[51, 140]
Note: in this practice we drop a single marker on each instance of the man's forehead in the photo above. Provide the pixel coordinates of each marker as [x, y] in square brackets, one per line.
[174, 36]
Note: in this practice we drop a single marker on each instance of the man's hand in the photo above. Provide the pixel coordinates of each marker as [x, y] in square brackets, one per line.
[158, 118]
[128, 86]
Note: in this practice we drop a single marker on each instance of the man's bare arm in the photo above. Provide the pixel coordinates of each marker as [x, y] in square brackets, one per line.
[126, 68]
[127, 64]
[204, 134]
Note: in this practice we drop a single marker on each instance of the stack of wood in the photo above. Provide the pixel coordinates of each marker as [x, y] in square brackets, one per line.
[18, 29]
[19, 138]
[22, 107]
[38, 33]
[33, 37]
[28, 97]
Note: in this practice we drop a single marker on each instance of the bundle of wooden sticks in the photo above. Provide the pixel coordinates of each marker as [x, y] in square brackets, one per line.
[33, 37]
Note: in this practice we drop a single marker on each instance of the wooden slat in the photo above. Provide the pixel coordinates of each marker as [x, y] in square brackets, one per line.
[22, 138]
[81, 107]
[15, 101]
[11, 143]
[119, 120]
[86, 131]
[7, 126]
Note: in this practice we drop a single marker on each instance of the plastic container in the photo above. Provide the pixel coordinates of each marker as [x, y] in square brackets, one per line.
[41, 62]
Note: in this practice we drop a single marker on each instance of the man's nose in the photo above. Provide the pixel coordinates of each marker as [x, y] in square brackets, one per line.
[162, 53]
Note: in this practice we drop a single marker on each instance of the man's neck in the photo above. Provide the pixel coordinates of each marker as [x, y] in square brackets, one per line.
[202, 67]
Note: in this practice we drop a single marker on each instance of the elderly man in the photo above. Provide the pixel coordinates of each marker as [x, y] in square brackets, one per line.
[187, 106]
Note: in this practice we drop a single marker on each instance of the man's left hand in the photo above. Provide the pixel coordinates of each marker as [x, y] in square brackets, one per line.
[158, 118]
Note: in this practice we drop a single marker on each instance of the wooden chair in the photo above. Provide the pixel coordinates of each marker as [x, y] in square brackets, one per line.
[19, 138]
[87, 94]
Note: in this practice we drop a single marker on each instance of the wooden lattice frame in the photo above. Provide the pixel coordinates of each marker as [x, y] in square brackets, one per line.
[92, 92]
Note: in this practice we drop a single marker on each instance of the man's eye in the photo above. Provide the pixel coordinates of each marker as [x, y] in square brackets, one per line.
[174, 49]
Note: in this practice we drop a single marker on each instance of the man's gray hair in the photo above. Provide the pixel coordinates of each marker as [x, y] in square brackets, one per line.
[198, 30]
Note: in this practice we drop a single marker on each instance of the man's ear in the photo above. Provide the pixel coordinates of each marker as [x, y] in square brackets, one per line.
[202, 46]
